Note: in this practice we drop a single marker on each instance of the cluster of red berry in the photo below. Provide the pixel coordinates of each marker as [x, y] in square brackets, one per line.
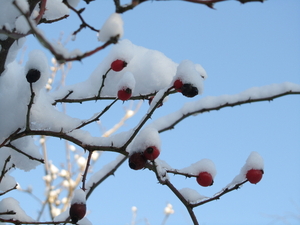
[137, 160]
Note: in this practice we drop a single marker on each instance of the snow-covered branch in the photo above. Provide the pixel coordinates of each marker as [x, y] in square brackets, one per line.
[211, 103]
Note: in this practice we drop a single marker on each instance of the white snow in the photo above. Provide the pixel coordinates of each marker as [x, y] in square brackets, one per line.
[55, 9]
[127, 81]
[22, 25]
[79, 197]
[112, 27]
[204, 165]
[73, 3]
[10, 204]
[146, 137]
[7, 182]
[191, 195]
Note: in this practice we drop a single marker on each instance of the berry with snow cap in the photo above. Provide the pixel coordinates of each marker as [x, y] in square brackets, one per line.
[254, 175]
[118, 65]
[151, 153]
[33, 75]
[205, 179]
[137, 161]
[124, 94]
[77, 212]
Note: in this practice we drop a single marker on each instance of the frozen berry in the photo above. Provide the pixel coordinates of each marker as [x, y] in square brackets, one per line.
[151, 153]
[124, 94]
[118, 65]
[77, 212]
[177, 85]
[137, 161]
[205, 179]
[189, 90]
[33, 75]
[150, 100]
[254, 176]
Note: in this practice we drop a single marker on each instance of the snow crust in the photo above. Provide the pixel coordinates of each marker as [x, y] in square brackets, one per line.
[191, 195]
[10, 204]
[79, 197]
[146, 138]
[204, 165]
[55, 10]
[127, 81]
[112, 27]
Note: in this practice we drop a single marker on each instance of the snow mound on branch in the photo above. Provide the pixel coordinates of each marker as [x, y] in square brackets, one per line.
[10, 204]
[55, 9]
[112, 27]
[151, 69]
[191, 195]
[127, 81]
[204, 165]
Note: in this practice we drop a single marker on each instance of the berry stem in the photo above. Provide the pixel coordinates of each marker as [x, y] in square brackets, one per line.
[29, 108]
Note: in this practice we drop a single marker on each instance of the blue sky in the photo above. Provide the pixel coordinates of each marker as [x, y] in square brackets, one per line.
[240, 46]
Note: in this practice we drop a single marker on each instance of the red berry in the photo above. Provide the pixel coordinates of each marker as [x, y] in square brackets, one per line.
[118, 65]
[33, 75]
[124, 94]
[151, 153]
[137, 161]
[77, 212]
[177, 85]
[254, 176]
[205, 179]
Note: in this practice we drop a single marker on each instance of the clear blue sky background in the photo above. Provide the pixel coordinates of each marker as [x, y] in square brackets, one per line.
[240, 46]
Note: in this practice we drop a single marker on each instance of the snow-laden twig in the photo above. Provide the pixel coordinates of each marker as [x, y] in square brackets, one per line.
[212, 103]
[4, 170]
[59, 56]
[9, 145]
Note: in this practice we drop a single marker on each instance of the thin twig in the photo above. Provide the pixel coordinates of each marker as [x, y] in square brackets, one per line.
[24, 153]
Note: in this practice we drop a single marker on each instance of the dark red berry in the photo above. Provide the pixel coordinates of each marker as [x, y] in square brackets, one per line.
[137, 161]
[177, 85]
[118, 65]
[77, 212]
[124, 94]
[205, 179]
[33, 75]
[254, 176]
[151, 153]
[189, 90]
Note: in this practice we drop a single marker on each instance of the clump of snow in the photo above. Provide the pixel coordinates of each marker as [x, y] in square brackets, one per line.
[73, 3]
[189, 73]
[23, 5]
[79, 197]
[127, 81]
[10, 204]
[22, 25]
[7, 182]
[254, 161]
[151, 69]
[191, 195]
[112, 27]
[204, 165]
[146, 138]
[55, 9]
